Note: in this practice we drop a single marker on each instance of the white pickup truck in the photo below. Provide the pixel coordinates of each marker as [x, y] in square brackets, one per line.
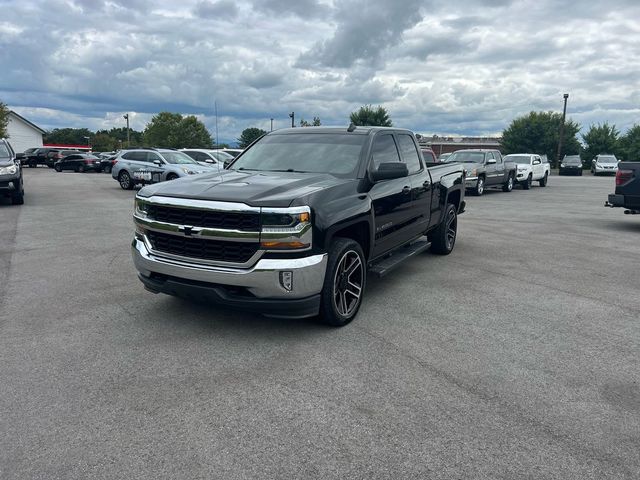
[531, 168]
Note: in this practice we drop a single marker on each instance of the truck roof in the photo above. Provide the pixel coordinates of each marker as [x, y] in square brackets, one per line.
[357, 130]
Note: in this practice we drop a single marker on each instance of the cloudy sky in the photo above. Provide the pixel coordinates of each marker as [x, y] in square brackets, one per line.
[466, 67]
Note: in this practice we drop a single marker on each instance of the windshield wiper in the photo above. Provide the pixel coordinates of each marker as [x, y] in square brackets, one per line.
[289, 170]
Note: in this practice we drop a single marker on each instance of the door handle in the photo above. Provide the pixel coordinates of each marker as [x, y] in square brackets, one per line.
[406, 190]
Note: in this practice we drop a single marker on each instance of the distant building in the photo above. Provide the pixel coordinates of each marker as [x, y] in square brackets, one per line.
[451, 144]
[22, 133]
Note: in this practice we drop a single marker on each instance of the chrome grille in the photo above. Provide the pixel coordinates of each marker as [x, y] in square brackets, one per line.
[243, 221]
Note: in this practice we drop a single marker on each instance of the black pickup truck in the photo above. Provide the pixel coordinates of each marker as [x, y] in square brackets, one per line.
[627, 194]
[295, 223]
[485, 168]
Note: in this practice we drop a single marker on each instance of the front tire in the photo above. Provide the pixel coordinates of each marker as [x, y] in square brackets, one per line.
[344, 282]
[172, 176]
[527, 183]
[508, 186]
[544, 180]
[479, 190]
[125, 180]
[443, 239]
[58, 168]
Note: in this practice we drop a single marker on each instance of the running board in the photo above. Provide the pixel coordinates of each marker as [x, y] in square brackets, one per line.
[386, 265]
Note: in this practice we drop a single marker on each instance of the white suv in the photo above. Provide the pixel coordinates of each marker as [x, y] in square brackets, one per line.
[531, 168]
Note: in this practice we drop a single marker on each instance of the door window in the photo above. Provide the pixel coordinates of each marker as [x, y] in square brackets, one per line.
[152, 157]
[384, 150]
[409, 153]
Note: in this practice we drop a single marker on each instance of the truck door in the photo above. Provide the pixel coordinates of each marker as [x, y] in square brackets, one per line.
[494, 175]
[391, 199]
[421, 188]
[537, 167]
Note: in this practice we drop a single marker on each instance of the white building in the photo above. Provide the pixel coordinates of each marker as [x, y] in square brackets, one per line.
[22, 133]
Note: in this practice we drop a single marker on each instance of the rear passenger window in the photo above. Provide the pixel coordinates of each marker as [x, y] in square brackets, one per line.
[409, 153]
[384, 150]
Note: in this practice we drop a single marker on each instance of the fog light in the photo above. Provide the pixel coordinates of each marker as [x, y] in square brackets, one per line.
[286, 280]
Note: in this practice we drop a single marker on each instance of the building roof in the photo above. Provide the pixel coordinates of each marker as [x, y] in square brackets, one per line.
[31, 124]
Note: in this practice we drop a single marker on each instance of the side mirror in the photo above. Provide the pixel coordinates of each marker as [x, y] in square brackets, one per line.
[536, 162]
[491, 161]
[20, 156]
[157, 162]
[389, 171]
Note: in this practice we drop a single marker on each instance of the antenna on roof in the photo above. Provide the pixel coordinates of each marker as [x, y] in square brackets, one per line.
[351, 128]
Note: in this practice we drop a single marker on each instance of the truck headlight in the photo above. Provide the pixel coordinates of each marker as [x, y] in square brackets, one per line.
[10, 170]
[286, 228]
[141, 208]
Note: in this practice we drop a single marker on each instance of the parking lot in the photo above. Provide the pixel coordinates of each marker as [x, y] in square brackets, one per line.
[517, 356]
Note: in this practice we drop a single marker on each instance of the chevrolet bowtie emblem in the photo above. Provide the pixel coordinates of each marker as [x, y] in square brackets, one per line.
[188, 230]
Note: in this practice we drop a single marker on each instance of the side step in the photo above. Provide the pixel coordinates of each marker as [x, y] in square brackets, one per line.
[386, 265]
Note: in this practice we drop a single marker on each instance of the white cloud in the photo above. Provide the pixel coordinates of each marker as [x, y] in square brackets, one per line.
[468, 67]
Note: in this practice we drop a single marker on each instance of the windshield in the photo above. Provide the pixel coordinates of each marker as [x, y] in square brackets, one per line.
[572, 160]
[466, 157]
[4, 151]
[521, 159]
[336, 154]
[607, 159]
[178, 158]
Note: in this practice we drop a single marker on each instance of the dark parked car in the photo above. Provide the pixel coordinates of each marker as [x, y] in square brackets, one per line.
[11, 184]
[36, 156]
[54, 155]
[485, 168]
[571, 165]
[78, 162]
[107, 162]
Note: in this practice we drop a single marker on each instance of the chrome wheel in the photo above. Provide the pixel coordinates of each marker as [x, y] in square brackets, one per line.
[125, 181]
[480, 186]
[347, 283]
[451, 224]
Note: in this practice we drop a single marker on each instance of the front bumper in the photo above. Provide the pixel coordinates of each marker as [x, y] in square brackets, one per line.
[9, 183]
[599, 169]
[470, 182]
[522, 175]
[258, 288]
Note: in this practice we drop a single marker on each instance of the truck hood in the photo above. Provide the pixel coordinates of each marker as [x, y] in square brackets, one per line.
[258, 189]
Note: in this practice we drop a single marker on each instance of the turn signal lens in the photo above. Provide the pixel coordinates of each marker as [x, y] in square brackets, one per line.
[284, 245]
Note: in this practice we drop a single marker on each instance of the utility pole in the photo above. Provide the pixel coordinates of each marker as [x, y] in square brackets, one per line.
[272, 124]
[216, 107]
[293, 119]
[564, 114]
[126, 117]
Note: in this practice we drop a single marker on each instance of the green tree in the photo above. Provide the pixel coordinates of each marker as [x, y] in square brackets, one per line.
[120, 136]
[101, 142]
[4, 120]
[68, 136]
[370, 116]
[192, 133]
[172, 130]
[248, 135]
[314, 123]
[600, 139]
[539, 132]
[629, 145]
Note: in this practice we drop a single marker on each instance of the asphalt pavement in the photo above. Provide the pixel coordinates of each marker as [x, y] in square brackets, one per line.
[517, 356]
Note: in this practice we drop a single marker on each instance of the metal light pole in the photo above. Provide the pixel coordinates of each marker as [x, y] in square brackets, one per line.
[126, 117]
[272, 124]
[564, 114]
[293, 119]
[88, 139]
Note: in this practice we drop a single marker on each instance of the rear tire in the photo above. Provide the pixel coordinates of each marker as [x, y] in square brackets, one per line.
[80, 169]
[479, 190]
[508, 186]
[443, 239]
[125, 180]
[344, 282]
[544, 180]
[18, 199]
